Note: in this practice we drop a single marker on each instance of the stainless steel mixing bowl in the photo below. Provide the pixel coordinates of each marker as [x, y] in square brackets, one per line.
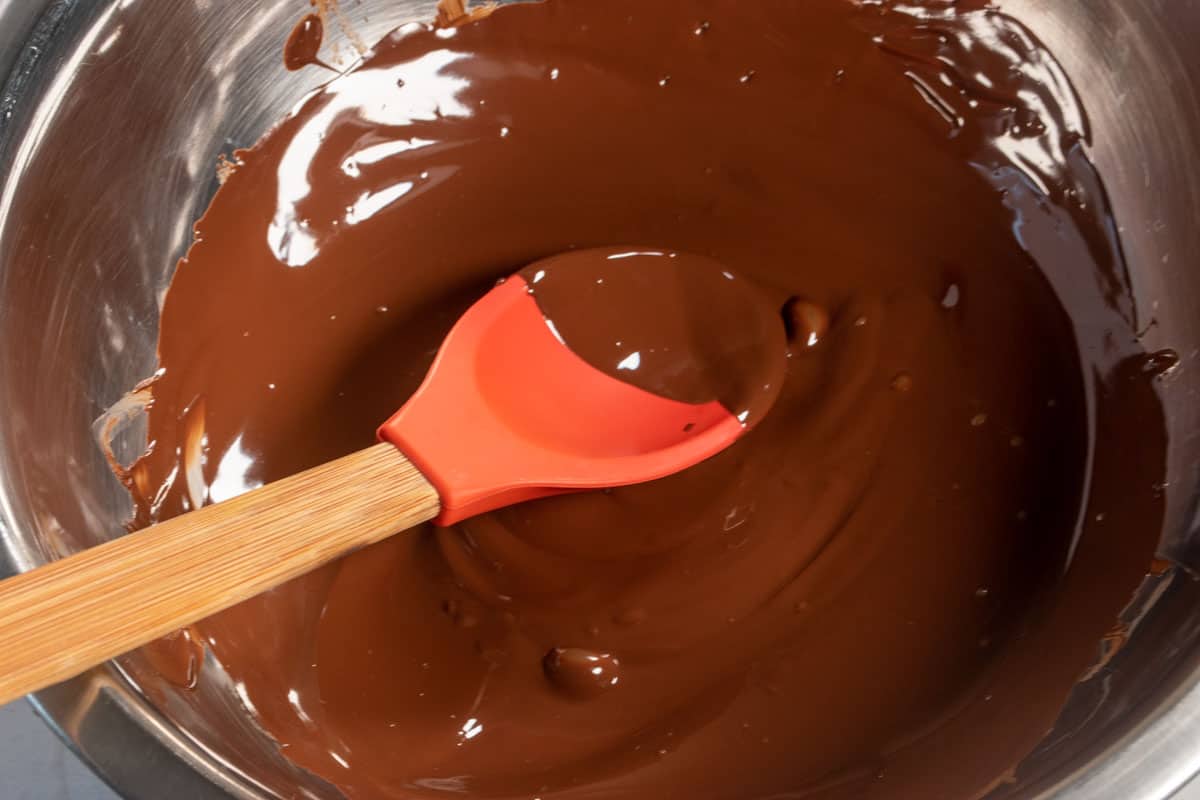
[112, 115]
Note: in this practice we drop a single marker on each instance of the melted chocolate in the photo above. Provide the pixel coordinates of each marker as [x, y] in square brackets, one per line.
[861, 598]
[676, 324]
[304, 43]
[582, 674]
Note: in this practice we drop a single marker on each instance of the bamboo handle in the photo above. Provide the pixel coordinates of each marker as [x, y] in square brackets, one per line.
[61, 619]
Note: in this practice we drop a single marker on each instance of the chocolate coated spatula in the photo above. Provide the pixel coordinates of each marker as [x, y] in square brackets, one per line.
[507, 413]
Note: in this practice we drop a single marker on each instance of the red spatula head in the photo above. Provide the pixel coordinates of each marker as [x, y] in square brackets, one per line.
[509, 413]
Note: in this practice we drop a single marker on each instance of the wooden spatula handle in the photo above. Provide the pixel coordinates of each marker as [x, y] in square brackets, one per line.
[61, 619]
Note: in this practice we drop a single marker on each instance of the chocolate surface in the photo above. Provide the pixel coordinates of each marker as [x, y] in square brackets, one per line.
[676, 324]
[861, 597]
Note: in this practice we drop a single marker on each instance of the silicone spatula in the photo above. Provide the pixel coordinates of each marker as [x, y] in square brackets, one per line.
[506, 414]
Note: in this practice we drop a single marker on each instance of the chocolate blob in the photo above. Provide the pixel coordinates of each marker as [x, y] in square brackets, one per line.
[886, 589]
[580, 673]
[304, 42]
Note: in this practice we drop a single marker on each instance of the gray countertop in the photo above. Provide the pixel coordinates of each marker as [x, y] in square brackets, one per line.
[34, 765]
